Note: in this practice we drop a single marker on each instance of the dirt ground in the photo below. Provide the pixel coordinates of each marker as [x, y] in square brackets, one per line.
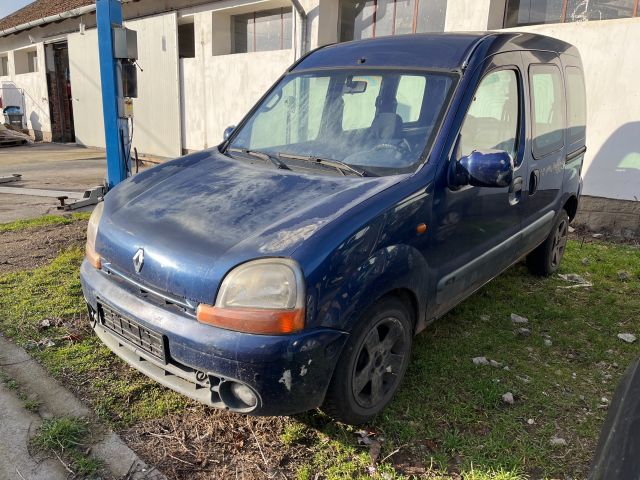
[34, 247]
[202, 440]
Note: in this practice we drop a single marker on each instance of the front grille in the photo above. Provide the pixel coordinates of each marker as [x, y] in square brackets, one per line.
[157, 297]
[132, 332]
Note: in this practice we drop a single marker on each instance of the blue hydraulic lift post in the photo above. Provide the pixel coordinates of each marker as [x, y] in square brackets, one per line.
[109, 14]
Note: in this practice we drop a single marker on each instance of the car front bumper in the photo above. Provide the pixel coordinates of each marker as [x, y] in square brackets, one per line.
[287, 373]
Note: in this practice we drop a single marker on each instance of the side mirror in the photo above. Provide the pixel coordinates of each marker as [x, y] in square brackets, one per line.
[228, 131]
[490, 168]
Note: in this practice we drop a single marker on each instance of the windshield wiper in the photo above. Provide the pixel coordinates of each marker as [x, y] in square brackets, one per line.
[337, 164]
[262, 156]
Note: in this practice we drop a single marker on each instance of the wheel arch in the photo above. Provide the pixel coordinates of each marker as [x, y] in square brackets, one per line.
[399, 271]
[571, 207]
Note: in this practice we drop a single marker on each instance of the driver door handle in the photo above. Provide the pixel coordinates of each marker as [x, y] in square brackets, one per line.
[515, 191]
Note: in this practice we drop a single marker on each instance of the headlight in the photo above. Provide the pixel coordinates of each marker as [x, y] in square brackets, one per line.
[263, 296]
[92, 232]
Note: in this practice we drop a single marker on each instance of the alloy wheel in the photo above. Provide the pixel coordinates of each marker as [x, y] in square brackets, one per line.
[559, 243]
[379, 363]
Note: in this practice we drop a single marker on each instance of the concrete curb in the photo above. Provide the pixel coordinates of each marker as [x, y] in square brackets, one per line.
[57, 401]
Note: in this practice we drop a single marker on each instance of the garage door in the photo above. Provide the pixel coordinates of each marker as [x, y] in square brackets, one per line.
[157, 108]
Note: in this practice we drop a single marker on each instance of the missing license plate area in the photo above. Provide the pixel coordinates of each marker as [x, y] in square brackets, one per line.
[132, 332]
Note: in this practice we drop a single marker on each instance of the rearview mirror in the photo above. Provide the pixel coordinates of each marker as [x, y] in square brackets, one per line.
[490, 168]
[354, 86]
[228, 131]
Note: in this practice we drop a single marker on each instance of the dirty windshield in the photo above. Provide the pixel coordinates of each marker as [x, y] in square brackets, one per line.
[376, 121]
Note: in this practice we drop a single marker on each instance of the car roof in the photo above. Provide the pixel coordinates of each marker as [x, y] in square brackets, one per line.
[447, 51]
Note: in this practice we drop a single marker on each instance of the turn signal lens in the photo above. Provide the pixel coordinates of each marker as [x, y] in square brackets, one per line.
[92, 232]
[93, 257]
[252, 320]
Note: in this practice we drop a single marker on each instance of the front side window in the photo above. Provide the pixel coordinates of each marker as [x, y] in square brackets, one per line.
[547, 104]
[262, 31]
[379, 121]
[492, 120]
[361, 19]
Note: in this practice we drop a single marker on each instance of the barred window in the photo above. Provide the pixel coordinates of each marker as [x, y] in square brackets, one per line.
[533, 12]
[262, 31]
[361, 19]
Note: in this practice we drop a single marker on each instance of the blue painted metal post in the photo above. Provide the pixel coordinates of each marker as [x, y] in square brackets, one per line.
[109, 14]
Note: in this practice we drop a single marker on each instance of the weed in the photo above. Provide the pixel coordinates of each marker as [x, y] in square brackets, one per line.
[8, 382]
[32, 405]
[62, 433]
[293, 433]
[64, 436]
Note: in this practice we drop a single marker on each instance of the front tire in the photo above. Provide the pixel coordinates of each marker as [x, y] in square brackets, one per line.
[546, 259]
[372, 364]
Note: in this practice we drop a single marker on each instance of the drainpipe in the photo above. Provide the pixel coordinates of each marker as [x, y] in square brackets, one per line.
[76, 12]
[303, 27]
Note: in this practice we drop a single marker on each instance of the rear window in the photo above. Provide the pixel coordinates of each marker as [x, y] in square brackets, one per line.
[576, 107]
[547, 109]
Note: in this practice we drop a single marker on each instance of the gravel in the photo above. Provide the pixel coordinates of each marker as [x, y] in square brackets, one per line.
[627, 337]
[519, 320]
[522, 332]
[558, 442]
[508, 398]
[480, 361]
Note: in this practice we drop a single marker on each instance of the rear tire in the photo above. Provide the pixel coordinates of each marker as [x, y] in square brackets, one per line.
[546, 259]
[372, 364]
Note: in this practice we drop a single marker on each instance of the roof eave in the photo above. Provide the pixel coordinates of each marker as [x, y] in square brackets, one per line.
[75, 12]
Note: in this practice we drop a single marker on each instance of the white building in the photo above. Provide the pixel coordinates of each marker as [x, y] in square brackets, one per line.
[205, 63]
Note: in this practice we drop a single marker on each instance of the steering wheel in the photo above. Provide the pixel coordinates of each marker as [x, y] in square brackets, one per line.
[401, 147]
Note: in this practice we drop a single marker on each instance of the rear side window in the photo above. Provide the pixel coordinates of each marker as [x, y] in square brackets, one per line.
[548, 109]
[576, 107]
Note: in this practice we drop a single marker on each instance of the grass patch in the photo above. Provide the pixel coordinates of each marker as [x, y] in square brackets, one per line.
[43, 221]
[61, 433]
[8, 382]
[64, 436]
[448, 419]
[32, 405]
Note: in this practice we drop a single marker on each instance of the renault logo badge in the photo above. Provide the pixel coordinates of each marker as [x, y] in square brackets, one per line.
[138, 260]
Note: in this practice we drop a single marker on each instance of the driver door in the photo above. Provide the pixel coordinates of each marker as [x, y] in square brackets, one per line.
[477, 227]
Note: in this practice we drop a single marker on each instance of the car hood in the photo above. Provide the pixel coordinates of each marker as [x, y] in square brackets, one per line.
[200, 215]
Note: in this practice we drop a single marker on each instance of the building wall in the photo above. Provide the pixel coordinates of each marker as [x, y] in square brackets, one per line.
[474, 15]
[219, 88]
[611, 66]
[29, 91]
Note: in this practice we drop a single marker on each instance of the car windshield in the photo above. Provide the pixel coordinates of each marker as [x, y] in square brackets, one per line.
[376, 121]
